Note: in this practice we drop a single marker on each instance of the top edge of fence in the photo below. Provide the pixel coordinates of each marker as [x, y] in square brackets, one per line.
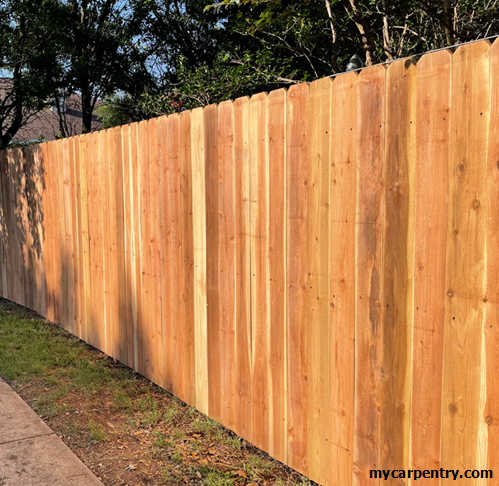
[247, 98]
[417, 56]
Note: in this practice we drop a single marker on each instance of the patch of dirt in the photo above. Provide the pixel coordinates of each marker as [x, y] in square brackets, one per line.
[138, 434]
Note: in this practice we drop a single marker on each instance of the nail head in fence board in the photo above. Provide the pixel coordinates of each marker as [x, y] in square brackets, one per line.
[398, 263]
[369, 311]
[260, 329]
[226, 258]
[317, 292]
[242, 398]
[342, 203]
[277, 269]
[297, 259]
[464, 314]
[431, 215]
[491, 297]
[198, 158]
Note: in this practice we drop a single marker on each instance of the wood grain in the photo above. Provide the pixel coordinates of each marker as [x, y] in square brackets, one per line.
[431, 212]
[316, 268]
[462, 407]
[342, 277]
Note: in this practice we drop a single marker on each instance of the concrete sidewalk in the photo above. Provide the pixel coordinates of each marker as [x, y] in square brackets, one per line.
[31, 454]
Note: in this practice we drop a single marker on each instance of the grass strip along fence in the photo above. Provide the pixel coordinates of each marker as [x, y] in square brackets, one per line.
[317, 269]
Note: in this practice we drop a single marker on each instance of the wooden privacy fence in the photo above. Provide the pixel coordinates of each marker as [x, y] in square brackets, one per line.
[317, 269]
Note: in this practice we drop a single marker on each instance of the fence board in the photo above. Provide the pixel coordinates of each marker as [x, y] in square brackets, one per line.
[277, 271]
[298, 352]
[242, 397]
[431, 212]
[462, 409]
[491, 414]
[398, 263]
[369, 267]
[342, 276]
[315, 268]
[317, 292]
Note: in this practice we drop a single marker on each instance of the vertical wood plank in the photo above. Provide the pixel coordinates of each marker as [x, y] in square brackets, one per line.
[198, 154]
[76, 232]
[462, 409]
[186, 389]
[277, 270]
[126, 317]
[96, 322]
[342, 227]
[398, 266]
[492, 277]
[317, 280]
[297, 279]
[242, 340]
[136, 257]
[168, 228]
[84, 234]
[431, 213]
[369, 267]
[259, 261]
[226, 258]
[213, 260]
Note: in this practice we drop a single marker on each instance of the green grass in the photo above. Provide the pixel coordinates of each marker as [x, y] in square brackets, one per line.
[97, 433]
[217, 478]
[30, 348]
[60, 371]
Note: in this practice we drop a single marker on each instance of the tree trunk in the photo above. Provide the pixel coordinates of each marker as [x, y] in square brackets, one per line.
[87, 112]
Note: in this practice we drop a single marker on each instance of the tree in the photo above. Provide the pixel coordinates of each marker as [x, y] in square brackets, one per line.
[28, 59]
[99, 52]
[245, 46]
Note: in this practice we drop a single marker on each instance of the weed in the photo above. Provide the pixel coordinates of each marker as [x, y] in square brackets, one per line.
[121, 401]
[160, 441]
[146, 402]
[217, 478]
[97, 432]
[170, 412]
[150, 418]
[234, 442]
[203, 426]
[178, 434]
[177, 457]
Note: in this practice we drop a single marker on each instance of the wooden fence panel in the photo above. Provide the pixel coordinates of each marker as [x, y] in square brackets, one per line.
[317, 268]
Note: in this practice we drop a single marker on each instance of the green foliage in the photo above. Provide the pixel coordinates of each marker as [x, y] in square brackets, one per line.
[135, 59]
